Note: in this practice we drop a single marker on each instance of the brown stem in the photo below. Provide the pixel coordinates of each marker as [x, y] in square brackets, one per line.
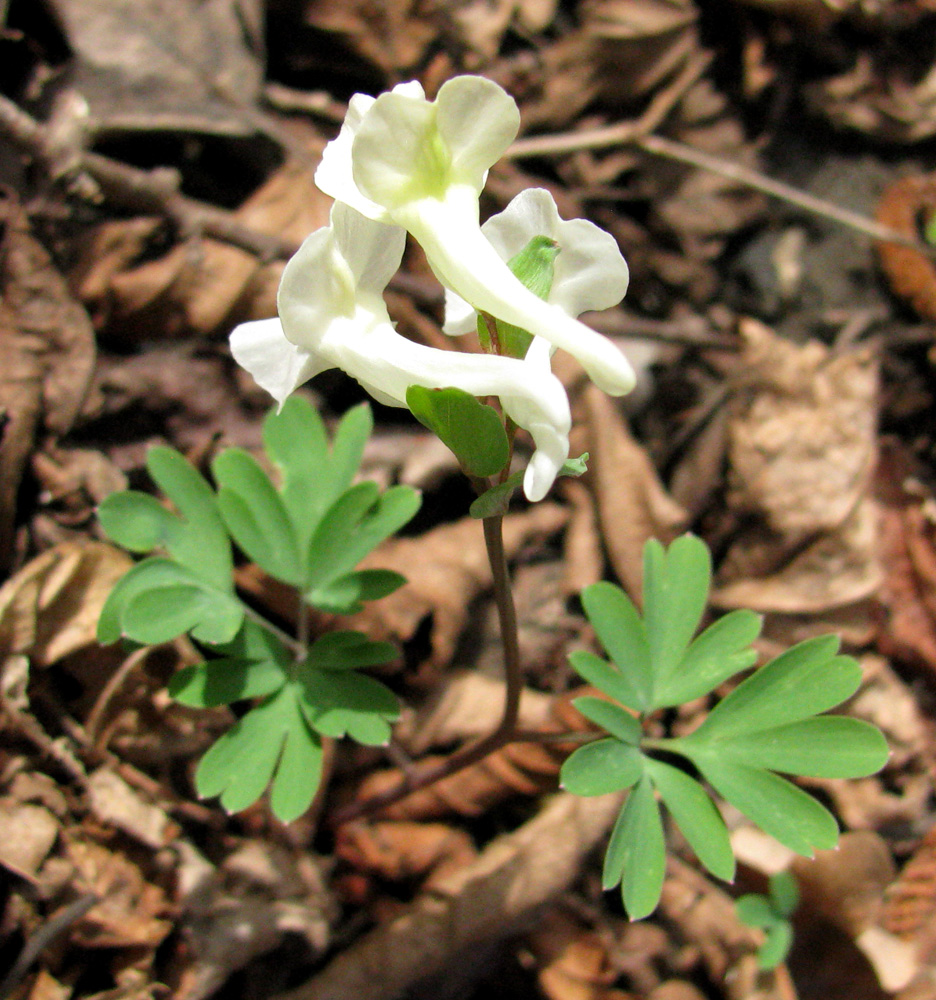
[506, 731]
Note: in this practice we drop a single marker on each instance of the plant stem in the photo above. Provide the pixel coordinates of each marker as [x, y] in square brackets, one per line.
[506, 731]
[284, 637]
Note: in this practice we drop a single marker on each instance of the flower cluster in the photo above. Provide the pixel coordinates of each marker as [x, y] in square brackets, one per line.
[404, 164]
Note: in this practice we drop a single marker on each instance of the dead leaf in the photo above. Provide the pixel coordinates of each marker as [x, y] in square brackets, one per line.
[46, 357]
[446, 568]
[131, 911]
[29, 833]
[115, 803]
[51, 607]
[633, 505]
[153, 65]
[802, 451]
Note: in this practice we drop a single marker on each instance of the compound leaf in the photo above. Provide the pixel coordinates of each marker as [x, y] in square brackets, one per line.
[621, 632]
[601, 767]
[637, 852]
[696, 815]
[611, 717]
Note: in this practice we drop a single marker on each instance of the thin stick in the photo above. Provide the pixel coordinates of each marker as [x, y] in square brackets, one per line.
[506, 730]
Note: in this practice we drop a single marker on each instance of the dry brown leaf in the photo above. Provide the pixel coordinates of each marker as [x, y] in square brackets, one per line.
[115, 803]
[446, 568]
[802, 452]
[131, 911]
[46, 987]
[51, 607]
[583, 560]
[573, 962]
[198, 286]
[632, 504]
[46, 357]
[516, 769]
[405, 850]
[29, 833]
[482, 902]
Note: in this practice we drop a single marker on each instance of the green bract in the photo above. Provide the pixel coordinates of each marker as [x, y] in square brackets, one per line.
[310, 532]
[772, 914]
[770, 723]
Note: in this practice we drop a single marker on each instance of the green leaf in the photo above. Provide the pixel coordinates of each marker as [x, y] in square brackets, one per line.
[313, 477]
[344, 595]
[779, 808]
[641, 851]
[696, 815]
[343, 702]
[354, 525]
[159, 599]
[606, 677]
[675, 592]
[805, 680]
[575, 467]
[755, 910]
[495, 501]
[621, 631]
[612, 717]
[256, 516]
[225, 680]
[601, 767]
[471, 429]
[784, 893]
[827, 746]
[348, 651]
[777, 945]
[199, 541]
[299, 772]
[720, 652]
[137, 521]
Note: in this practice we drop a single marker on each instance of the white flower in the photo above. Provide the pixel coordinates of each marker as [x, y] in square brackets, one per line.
[588, 272]
[332, 315]
[421, 165]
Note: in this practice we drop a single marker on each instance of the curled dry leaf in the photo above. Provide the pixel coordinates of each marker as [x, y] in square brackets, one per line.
[46, 357]
[632, 504]
[802, 452]
[904, 205]
[480, 903]
[29, 834]
[516, 769]
[405, 850]
[115, 803]
[198, 286]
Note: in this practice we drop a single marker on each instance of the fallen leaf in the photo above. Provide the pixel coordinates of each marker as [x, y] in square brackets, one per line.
[29, 833]
[115, 803]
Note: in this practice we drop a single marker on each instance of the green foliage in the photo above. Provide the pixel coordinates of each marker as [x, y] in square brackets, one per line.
[310, 532]
[471, 429]
[769, 723]
[772, 914]
[495, 501]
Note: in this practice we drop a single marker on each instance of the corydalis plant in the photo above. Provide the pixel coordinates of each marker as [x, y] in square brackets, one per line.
[309, 533]
[770, 723]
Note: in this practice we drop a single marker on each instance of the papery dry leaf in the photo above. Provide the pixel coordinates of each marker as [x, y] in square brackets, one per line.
[29, 833]
[46, 357]
[149, 64]
[906, 204]
[131, 911]
[198, 286]
[881, 95]
[46, 987]
[405, 850]
[514, 875]
[516, 769]
[583, 559]
[910, 900]
[802, 451]
[51, 607]
[573, 962]
[446, 568]
[115, 803]
[632, 504]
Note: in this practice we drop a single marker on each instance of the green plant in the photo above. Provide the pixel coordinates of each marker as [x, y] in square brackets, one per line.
[769, 723]
[771, 913]
[310, 533]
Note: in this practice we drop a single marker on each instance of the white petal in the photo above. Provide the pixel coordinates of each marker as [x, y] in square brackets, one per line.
[275, 364]
[317, 285]
[531, 213]
[372, 250]
[460, 317]
[477, 121]
[334, 175]
[464, 260]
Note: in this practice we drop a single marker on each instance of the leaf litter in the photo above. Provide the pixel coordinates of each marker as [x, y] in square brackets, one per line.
[795, 434]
